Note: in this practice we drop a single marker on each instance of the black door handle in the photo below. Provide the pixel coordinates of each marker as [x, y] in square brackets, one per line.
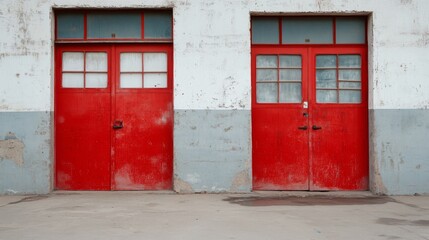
[118, 124]
[316, 127]
[302, 127]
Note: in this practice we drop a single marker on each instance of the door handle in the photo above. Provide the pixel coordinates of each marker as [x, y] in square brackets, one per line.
[302, 127]
[118, 124]
[316, 127]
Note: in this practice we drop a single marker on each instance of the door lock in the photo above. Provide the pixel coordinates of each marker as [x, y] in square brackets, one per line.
[302, 127]
[118, 124]
[316, 127]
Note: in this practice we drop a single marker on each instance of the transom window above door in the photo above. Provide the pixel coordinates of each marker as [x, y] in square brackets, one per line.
[308, 30]
[121, 25]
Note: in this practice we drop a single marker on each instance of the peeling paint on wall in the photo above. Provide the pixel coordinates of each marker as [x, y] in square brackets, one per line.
[241, 181]
[12, 149]
[181, 186]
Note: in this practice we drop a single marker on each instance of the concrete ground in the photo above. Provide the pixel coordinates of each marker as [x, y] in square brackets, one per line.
[260, 215]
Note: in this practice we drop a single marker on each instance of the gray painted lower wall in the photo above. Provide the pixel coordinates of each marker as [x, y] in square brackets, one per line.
[212, 151]
[25, 152]
[399, 148]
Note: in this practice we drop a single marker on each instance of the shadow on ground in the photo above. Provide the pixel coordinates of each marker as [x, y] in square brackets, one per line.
[307, 201]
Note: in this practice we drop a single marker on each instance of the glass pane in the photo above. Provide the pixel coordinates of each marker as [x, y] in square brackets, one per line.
[72, 80]
[131, 80]
[96, 61]
[266, 61]
[307, 30]
[155, 62]
[326, 61]
[265, 30]
[96, 80]
[350, 96]
[114, 25]
[290, 75]
[266, 92]
[266, 75]
[70, 25]
[131, 62]
[290, 61]
[157, 25]
[326, 79]
[155, 80]
[349, 61]
[350, 30]
[349, 75]
[290, 92]
[72, 61]
[354, 85]
[326, 96]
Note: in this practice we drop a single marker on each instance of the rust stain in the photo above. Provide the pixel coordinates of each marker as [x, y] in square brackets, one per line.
[12, 149]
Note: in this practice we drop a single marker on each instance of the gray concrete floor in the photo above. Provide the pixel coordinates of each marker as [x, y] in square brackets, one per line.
[259, 215]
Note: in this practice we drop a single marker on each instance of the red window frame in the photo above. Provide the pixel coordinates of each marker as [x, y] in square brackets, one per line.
[85, 49]
[113, 71]
[160, 48]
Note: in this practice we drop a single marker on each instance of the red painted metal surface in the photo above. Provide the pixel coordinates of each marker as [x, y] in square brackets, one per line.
[339, 150]
[89, 153]
[334, 157]
[280, 148]
[82, 132]
[143, 149]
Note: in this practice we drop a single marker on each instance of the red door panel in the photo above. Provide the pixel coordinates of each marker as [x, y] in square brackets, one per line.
[143, 149]
[82, 133]
[280, 150]
[339, 149]
[280, 140]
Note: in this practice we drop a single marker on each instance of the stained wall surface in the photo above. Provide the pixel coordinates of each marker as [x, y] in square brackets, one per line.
[212, 90]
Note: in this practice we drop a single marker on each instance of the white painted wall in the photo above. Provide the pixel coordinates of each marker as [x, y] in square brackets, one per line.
[212, 49]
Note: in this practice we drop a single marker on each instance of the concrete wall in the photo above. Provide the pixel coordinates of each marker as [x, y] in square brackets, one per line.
[212, 133]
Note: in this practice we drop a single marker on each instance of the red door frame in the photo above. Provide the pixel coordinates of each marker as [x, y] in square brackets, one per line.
[309, 90]
[113, 69]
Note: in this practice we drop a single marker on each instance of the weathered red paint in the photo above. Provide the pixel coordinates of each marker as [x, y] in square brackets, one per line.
[332, 158]
[144, 146]
[89, 153]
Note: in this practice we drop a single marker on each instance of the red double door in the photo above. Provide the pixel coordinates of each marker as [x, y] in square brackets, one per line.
[309, 118]
[113, 117]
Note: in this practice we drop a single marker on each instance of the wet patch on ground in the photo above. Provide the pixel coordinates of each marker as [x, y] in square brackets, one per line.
[307, 201]
[396, 221]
